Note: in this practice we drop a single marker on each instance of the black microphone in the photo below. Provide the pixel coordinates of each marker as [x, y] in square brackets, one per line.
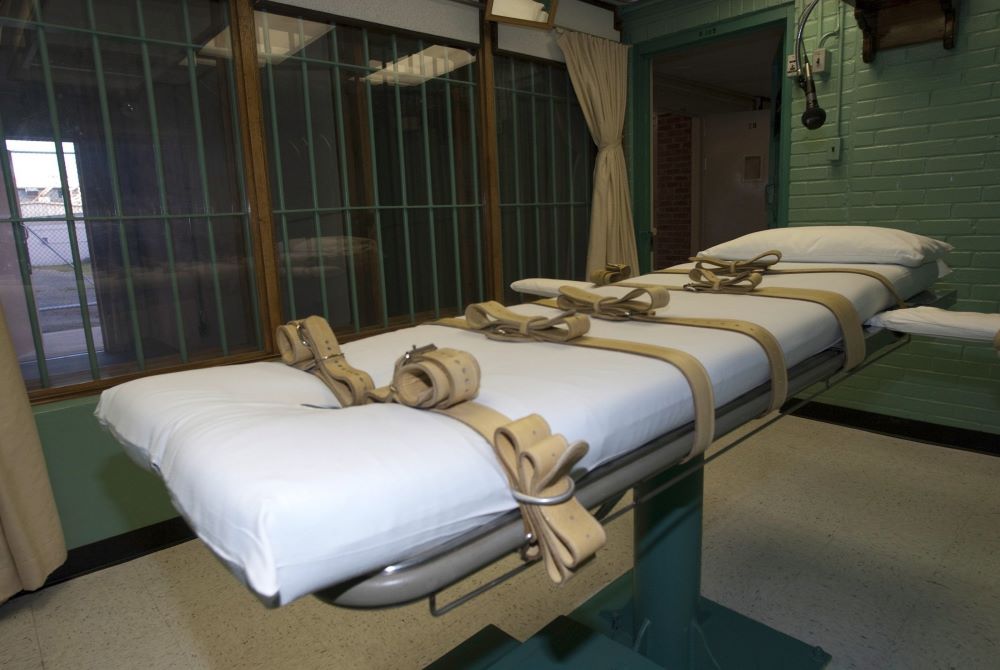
[814, 116]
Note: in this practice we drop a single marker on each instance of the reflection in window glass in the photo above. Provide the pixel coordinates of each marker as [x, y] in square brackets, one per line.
[546, 161]
[374, 172]
[123, 231]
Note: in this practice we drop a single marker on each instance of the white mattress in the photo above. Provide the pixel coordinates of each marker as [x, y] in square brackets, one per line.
[294, 499]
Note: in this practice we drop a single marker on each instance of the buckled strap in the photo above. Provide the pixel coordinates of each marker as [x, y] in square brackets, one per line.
[612, 272]
[536, 462]
[432, 378]
[622, 308]
[611, 308]
[712, 273]
[483, 317]
[539, 464]
[314, 336]
[499, 323]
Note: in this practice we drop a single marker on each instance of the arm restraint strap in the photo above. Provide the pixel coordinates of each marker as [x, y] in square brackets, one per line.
[612, 272]
[309, 344]
[536, 462]
[631, 306]
[499, 323]
[711, 270]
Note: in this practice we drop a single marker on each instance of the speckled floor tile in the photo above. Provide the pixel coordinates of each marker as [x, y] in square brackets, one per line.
[104, 621]
[882, 551]
[19, 648]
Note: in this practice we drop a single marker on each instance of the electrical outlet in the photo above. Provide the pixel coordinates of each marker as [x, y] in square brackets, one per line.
[791, 68]
[833, 150]
[819, 60]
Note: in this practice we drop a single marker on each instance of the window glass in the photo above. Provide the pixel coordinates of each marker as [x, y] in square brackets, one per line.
[374, 172]
[124, 239]
[545, 162]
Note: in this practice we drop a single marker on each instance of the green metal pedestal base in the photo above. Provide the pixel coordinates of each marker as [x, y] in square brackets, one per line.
[724, 638]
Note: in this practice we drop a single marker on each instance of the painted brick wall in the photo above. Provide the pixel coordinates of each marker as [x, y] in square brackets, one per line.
[920, 133]
[672, 190]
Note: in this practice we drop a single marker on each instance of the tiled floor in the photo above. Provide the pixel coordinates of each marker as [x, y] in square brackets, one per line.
[884, 552]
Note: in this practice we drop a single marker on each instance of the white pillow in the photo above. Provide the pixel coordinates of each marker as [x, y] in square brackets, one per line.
[836, 244]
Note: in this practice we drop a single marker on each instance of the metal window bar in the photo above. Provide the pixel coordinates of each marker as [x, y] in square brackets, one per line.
[276, 173]
[243, 216]
[552, 175]
[119, 217]
[154, 125]
[569, 158]
[23, 261]
[203, 174]
[314, 188]
[517, 180]
[344, 184]
[431, 218]
[535, 176]
[475, 189]
[375, 185]
[116, 194]
[449, 123]
[408, 255]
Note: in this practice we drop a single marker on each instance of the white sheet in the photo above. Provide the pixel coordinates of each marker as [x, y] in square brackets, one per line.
[973, 326]
[294, 499]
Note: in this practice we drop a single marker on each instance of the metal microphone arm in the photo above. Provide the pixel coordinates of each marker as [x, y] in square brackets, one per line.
[813, 117]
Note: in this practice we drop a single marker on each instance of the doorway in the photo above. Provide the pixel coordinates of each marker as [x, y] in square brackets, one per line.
[715, 111]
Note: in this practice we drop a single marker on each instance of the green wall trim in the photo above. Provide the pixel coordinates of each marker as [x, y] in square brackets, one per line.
[640, 112]
[99, 491]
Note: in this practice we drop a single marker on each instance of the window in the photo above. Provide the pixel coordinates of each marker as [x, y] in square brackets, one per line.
[124, 239]
[546, 162]
[172, 188]
[374, 172]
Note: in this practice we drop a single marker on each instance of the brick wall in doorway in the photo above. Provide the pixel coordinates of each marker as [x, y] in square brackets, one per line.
[672, 190]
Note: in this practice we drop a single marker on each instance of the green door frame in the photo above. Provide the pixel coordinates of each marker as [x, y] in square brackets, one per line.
[641, 166]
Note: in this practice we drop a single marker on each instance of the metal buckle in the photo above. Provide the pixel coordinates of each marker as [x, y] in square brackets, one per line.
[551, 500]
[416, 352]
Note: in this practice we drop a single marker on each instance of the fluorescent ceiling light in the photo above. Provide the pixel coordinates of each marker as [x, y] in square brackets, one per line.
[286, 36]
[434, 61]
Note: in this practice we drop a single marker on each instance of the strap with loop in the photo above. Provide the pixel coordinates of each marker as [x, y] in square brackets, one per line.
[612, 272]
[500, 323]
[497, 322]
[536, 462]
[627, 307]
[309, 344]
[714, 273]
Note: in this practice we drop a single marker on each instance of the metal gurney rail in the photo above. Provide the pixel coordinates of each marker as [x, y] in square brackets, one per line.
[429, 572]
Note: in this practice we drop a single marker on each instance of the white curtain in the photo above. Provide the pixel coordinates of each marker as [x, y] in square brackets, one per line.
[31, 538]
[598, 69]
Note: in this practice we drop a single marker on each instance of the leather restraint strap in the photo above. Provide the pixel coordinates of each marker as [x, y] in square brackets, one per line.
[632, 306]
[309, 344]
[499, 323]
[841, 308]
[612, 272]
[536, 462]
[710, 271]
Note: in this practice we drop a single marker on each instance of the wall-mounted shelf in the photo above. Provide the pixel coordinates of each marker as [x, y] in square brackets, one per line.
[894, 23]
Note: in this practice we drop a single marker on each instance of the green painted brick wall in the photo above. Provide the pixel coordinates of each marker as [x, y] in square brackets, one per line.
[920, 138]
